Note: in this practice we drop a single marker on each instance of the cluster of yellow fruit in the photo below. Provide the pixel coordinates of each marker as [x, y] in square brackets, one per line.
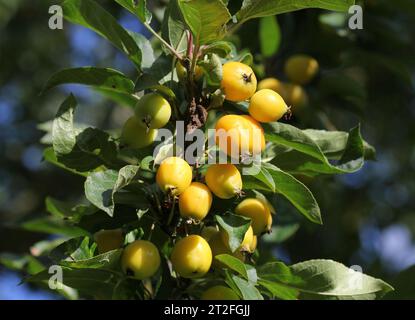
[300, 70]
[192, 256]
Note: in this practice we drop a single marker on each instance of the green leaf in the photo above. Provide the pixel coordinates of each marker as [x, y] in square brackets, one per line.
[233, 263]
[96, 283]
[103, 78]
[235, 226]
[127, 100]
[81, 151]
[67, 211]
[147, 51]
[138, 8]
[91, 15]
[173, 28]
[246, 271]
[299, 141]
[206, 19]
[324, 279]
[279, 291]
[261, 8]
[260, 172]
[334, 143]
[247, 289]
[269, 35]
[98, 190]
[212, 66]
[158, 73]
[77, 248]
[101, 187]
[222, 48]
[292, 189]
[109, 261]
[53, 225]
[49, 156]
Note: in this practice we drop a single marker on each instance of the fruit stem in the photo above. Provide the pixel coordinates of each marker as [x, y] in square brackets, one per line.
[151, 231]
[175, 53]
[169, 220]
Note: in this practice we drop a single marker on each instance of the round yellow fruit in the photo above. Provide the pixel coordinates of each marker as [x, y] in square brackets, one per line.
[141, 259]
[258, 211]
[219, 293]
[191, 257]
[272, 84]
[174, 175]
[135, 135]
[238, 135]
[108, 240]
[301, 69]
[246, 242]
[224, 180]
[218, 247]
[153, 111]
[238, 81]
[267, 105]
[195, 201]
[295, 95]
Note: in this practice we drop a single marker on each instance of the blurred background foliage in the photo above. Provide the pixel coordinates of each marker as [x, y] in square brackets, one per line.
[367, 77]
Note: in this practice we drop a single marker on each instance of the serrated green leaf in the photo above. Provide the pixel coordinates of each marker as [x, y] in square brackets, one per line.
[352, 158]
[206, 19]
[324, 279]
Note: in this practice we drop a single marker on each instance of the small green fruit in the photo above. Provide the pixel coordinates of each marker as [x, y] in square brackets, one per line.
[135, 135]
[153, 111]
